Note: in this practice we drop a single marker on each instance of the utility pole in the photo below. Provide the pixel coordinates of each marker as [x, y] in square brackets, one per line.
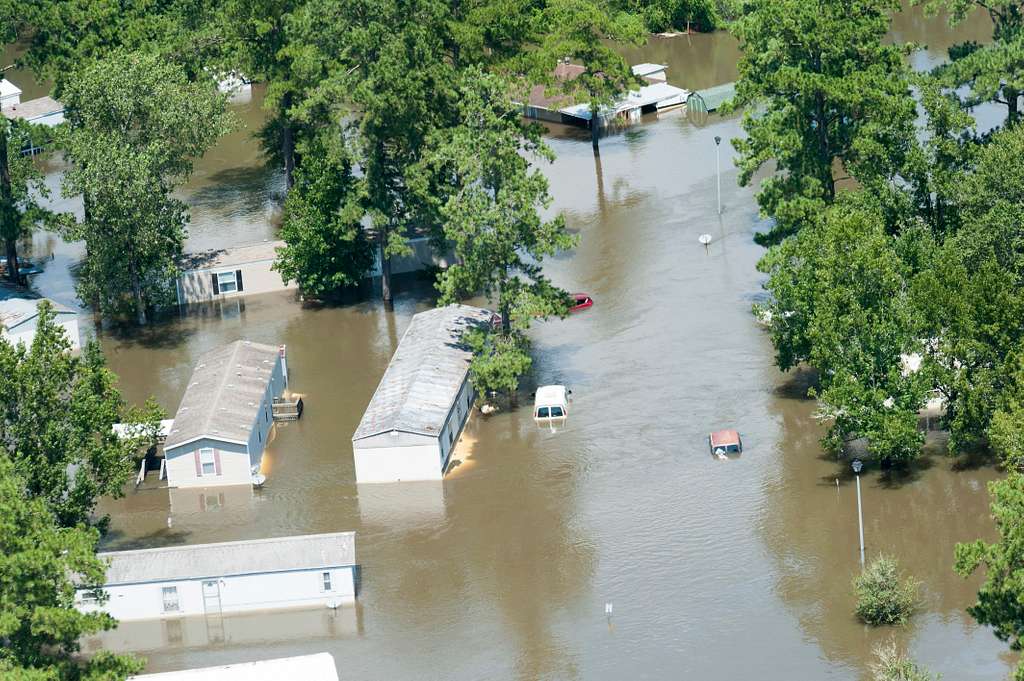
[857, 465]
[718, 170]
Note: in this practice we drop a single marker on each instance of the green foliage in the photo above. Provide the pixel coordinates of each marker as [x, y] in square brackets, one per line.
[480, 180]
[839, 302]
[666, 15]
[823, 94]
[21, 187]
[583, 31]
[884, 596]
[498, 360]
[135, 126]
[39, 624]
[63, 35]
[56, 422]
[890, 665]
[1000, 604]
[326, 248]
[993, 72]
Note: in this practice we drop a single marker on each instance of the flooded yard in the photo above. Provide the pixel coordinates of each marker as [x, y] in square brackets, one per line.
[716, 570]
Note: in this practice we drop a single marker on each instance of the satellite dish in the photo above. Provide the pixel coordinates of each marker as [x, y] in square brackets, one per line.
[704, 239]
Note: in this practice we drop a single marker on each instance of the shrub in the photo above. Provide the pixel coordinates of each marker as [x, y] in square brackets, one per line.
[890, 665]
[883, 595]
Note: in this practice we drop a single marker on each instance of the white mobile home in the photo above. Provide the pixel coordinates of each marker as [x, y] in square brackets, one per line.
[422, 402]
[318, 667]
[228, 577]
[223, 422]
[39, 111]
[19, 317]
[228, 272]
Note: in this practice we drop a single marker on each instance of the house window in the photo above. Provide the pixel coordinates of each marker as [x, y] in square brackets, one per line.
[88, 598]
[327, 581]
[170, 598]
[207, 462]
[227, 282]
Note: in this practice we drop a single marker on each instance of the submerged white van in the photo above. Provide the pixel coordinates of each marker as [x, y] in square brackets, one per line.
[551, 402]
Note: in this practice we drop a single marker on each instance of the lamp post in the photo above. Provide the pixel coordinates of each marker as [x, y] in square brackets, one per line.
[718, 170]
[857, 466]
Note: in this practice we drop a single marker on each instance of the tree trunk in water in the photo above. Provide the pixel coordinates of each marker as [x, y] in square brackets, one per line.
[287, 142]
[1013, 110]
[140, 305]
[11, 246]
[385, 274]
[8, 213]
[595, 131]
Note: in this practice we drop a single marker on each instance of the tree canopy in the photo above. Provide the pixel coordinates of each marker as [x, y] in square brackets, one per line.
[135, 126]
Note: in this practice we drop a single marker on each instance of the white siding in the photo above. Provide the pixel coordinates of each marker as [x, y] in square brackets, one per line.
[410, 458]
[196, 286]
[243, 593]
[395, 464]
[234, 469]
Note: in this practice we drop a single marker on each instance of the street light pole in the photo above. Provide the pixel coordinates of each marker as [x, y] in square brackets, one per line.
[857, 465]
[718, 170]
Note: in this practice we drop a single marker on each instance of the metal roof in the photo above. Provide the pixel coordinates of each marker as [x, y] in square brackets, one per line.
[17, 307]
[230, 257]
[34, 109]
[647, 69]
[316, 667]
[224, 394]
[7, 88]
[253, 556]
[425, 374]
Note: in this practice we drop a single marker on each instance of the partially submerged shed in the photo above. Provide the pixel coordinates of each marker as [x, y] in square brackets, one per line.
[422, 402]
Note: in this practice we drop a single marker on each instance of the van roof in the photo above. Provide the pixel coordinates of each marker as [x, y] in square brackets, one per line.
[550, 394]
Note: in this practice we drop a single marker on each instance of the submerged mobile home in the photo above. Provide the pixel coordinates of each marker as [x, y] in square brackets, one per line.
[417, 412]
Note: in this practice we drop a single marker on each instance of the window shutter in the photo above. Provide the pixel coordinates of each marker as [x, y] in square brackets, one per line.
[216, 286]
[199, 466]
[238, 279]
[216, 461]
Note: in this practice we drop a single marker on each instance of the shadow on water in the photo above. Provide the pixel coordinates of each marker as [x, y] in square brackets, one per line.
[796, 383]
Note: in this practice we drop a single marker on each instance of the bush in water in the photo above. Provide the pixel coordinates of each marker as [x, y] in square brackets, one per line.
[883, 595]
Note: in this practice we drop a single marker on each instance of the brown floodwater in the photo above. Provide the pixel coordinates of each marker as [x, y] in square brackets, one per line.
[716, 570]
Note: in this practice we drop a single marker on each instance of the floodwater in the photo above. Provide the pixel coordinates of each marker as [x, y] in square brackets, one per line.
[715, 570]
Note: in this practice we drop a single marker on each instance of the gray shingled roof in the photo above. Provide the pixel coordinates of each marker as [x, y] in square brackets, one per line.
[425, 374]
[230, 257]
[224, 394]
[200, 561]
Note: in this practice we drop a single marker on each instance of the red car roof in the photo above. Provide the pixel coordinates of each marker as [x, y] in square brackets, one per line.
[724, 437]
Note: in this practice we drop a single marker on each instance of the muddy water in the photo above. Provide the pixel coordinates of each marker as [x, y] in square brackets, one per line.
[715, 569]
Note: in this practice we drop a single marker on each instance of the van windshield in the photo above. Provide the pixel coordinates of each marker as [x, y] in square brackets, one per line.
[556, 411]
[543, 413]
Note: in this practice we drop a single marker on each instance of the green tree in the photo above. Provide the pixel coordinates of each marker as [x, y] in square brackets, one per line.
[581, 30]
[822, 92]
[884, 596]
[21, 184]
[56, 423]
[970, 296]
[39, 624]
[993, 72]
[63, 35]
[135, 126]
[489, 197]
[260, 44]
[325, 246]
[1001, 597]
[840, 302]
[890, 665]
